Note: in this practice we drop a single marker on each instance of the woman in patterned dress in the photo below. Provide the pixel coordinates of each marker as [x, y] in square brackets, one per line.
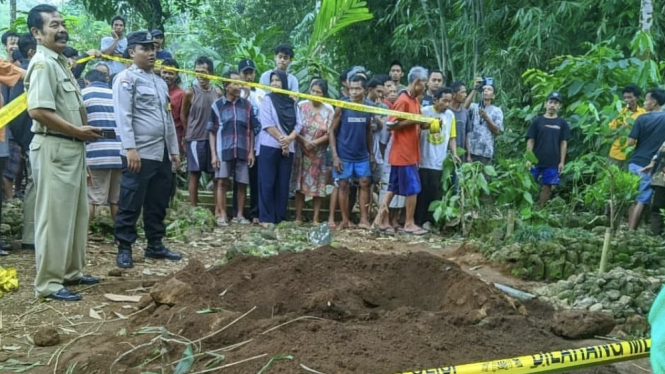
[309, 169]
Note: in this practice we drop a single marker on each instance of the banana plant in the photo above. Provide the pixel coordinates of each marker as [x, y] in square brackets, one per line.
[313, 58]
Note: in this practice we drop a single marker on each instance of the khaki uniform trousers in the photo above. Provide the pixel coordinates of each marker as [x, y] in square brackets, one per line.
[61, 211]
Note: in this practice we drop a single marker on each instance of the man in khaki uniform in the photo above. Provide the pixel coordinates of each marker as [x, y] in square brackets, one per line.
[57, 154]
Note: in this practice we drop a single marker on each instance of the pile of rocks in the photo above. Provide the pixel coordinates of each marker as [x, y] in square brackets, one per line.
[544, 253]
[12, 219]
[623, 293]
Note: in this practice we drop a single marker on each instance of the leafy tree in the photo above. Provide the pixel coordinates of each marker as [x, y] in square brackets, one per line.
[154, 13]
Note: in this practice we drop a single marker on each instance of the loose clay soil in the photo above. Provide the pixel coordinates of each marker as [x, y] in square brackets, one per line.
[365, 313]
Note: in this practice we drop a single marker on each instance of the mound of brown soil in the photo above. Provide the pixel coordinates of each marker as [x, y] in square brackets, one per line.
[374, 314]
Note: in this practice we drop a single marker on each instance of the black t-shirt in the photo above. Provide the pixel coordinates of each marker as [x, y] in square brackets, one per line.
[548, 133]
[427, 100]
[649, 131]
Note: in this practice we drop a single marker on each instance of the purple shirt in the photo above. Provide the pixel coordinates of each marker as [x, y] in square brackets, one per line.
[268, 118]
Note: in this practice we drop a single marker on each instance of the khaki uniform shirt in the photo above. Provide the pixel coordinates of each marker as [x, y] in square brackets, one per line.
[143, 114]
[50, 85]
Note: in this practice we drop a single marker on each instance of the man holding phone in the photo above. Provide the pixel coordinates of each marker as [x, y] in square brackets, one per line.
[103, 155]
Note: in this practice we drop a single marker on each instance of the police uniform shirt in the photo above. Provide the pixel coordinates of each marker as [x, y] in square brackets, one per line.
[143, 114]
[51, 85]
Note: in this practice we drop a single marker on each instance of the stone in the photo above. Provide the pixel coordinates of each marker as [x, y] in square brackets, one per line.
[596, 307]
[168, 293]
[582, 324]
[585, 303]
[625, 300]
[192, 233]
[46, 337]
[145, 301]
[115, 273]
[613, 295]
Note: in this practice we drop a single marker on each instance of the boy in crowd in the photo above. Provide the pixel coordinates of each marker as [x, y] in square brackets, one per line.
[103, 155]
[547, 138]
[231, 127]
[283, 58]
[396, 73]
[195, 115]
[631, 94]
[434, 148]
[116, 44]
[352, 148]
[158, 38]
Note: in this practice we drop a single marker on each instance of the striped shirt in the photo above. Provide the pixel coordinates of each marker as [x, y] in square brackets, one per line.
[102, 153]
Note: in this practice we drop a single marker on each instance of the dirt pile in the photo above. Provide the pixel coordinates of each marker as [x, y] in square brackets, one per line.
[369, 314]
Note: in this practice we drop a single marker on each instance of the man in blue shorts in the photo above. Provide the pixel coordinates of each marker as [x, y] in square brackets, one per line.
[548, 138]
[649, 134]
[352, 144]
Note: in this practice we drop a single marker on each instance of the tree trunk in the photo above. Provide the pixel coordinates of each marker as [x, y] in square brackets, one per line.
[12, 12]
[646, 15]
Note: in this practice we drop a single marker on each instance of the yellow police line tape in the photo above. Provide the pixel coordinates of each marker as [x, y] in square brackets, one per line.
[551, 362]
[18, 105]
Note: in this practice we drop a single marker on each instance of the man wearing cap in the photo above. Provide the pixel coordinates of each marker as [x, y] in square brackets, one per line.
[247, 70]
[57, 155]
[547, 138]
[149, 151]
[158, 37]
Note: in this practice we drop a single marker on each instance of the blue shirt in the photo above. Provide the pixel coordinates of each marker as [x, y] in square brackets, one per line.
[352, 135]
[102, 153]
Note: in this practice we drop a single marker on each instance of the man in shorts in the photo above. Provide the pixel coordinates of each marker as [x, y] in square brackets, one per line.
[405, 153]
[102, 156]
[231, 130]
[195, 115]
[548, 139]
[351, 143]
[649, 134]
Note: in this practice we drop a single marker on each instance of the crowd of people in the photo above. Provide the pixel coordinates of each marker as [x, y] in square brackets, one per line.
[114, 134]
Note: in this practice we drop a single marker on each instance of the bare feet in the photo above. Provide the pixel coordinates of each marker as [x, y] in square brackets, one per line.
[364, 225]
[343, 225]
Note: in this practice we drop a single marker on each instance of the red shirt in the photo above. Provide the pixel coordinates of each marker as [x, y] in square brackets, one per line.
[177, 94]
[406, 143]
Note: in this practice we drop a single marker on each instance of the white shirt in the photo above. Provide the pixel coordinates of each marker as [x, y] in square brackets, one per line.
[433, 155]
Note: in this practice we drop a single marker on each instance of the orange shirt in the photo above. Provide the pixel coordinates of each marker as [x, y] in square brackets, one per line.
[406, 142]
[9, 75]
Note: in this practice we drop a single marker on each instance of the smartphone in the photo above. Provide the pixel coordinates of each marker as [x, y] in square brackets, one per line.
[108, 134]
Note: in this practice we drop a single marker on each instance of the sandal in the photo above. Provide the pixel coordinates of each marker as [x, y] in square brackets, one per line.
[4, 253]
[221, 222]
[241, 221]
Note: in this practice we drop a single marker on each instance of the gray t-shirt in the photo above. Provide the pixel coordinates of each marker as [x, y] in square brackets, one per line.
[463, 126]
[115, 67]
